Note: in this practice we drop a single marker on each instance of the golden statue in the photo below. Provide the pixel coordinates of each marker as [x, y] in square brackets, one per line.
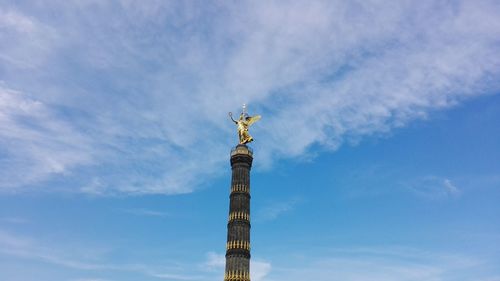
[243, 123]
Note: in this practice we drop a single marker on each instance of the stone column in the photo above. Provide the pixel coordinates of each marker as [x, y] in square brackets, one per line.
[238, 227]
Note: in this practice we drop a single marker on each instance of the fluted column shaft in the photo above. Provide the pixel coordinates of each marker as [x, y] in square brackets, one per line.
[238, 227]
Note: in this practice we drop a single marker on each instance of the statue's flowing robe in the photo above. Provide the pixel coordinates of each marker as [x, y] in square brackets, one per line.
[243, 132]
[243, 125]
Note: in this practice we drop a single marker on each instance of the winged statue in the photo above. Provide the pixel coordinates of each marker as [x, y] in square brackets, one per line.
[243, 123]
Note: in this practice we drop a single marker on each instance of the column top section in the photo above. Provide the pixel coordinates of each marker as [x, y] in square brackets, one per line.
[241, 149]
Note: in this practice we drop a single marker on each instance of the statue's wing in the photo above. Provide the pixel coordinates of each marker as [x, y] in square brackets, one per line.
[253, 119]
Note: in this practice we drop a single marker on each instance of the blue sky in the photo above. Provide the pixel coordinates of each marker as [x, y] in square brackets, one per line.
[376, 157]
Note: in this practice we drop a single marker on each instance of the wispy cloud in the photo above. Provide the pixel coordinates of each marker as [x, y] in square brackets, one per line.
[259, 269]
[129, 98]
[22, 247]
[14, 220]
[23, 35]
[434, 187]
[90, 279]
[388, 264]
[450, 187]
[214, 261]
[169, 276]
[144, 212]
[78, 261]
[36, 143]
[28, 248]
[276, 209]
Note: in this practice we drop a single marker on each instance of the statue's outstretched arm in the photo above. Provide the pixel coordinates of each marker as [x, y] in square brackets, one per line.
[231, 115]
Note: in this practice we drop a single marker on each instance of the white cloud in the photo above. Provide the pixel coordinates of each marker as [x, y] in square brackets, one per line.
[434, 187]
[353, 264]
[90, 279]
[26, 42]
[36, 143]
[30, 249]
[450, 187]
[276, 209]
[144, 212]
[146, 91]
[88, 261]
[259, 269]
[377, 264]
[215, 261]
[11, 19]
[14, 220]
[80, 260]
[169, 276]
